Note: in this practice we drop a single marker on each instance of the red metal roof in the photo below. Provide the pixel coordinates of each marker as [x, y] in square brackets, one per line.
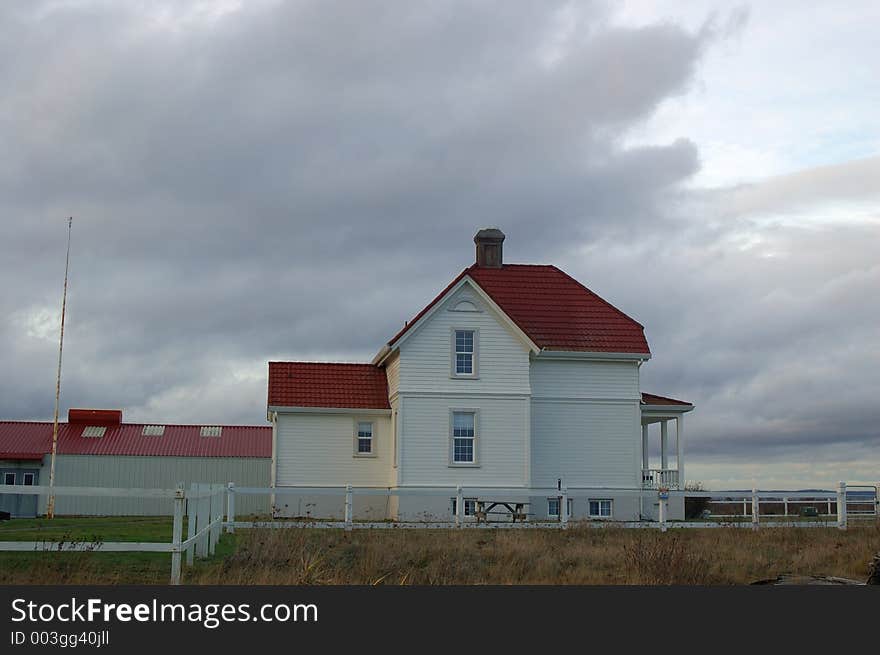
[317, 384]
[32, 440]
[651, 399]
[556, 311]
[21, 440]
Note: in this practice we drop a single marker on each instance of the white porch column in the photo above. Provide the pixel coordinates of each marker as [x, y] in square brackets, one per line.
[644, 447]
[664, 458]
[679, 449]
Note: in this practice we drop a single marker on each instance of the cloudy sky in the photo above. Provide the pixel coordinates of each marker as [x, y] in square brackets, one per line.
[292, 180]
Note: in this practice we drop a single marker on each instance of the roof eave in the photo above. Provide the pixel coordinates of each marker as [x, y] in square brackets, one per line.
[545, 353]
[300, 409]
[667, 409]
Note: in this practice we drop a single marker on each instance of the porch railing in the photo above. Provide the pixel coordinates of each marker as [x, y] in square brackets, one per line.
[655, 478]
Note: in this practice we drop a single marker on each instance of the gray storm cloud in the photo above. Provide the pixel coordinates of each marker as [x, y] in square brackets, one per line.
[295, 180]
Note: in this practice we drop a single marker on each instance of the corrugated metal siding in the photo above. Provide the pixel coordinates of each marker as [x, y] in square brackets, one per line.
[587, 443]
[425, 358]
[501, 441]
[152, 473]
[318, 449]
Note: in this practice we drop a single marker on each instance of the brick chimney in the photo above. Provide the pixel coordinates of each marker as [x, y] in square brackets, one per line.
[490, 243]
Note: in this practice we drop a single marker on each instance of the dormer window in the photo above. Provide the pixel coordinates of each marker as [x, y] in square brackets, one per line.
[464, 353]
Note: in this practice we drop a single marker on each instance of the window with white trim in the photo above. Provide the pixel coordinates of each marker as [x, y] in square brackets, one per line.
[28, 480]
[364, 438]
[553, 506]
[464, 353]
[464, 437]
[600, 508]
[9, 478]
[470, 506]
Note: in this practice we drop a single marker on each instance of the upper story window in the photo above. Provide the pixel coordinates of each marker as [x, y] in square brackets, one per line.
[363, 439]
[464, 353]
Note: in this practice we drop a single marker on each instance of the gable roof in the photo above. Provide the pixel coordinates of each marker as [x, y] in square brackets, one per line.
[651, 399]
[31, 440]
[553, 309]
[319, 384]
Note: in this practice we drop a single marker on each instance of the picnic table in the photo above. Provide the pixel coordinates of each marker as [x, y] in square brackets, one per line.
[482, 508]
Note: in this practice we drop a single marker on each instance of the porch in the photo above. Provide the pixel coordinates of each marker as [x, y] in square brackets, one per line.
[661, 410]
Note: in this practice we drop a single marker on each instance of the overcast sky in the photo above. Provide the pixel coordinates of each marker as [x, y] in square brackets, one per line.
[264, 180]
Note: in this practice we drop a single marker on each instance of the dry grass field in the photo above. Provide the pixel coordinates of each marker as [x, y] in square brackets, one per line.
[580, 555]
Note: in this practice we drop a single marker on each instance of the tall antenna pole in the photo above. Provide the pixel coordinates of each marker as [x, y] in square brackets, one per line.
[50, 509]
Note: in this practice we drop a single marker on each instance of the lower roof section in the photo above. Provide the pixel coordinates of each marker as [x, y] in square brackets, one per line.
[327, 385]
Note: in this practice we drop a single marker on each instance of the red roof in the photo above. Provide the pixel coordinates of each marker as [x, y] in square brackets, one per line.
[20, 440]
[32, 440]
[556, 311]
[651, 399]
[316, 384]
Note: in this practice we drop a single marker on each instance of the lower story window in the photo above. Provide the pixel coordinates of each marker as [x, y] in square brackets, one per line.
[364, 438]
[463, 435]
[553, 506]
[470, 506]
[600, 507]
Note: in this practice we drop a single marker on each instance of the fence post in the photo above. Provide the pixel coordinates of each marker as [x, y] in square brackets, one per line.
[785, 506]
[191, 523]
[177, 533]
[877, 501]
[841, 507]
[661, 508]
[212, 509]
[202, 521]
[348, 508]
[459, 506]
[216, 515]
[230, 508]
[756, 508]
[563, 508]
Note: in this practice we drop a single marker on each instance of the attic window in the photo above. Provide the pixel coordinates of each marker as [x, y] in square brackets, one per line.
[94, 431]
[153, 430]
[211, 430]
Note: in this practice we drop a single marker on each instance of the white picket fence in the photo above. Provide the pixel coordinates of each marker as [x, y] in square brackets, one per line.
[210, 508]
[203, 505]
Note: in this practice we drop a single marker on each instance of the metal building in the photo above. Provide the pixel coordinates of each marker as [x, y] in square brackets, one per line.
[96, 449]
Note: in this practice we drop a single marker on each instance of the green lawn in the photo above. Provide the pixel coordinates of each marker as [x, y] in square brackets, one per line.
[84, 568]
[91, 528]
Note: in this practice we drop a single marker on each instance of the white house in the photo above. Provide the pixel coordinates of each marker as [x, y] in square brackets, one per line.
[515, 377]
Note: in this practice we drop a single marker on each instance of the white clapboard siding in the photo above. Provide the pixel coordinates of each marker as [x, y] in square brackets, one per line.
[392, 372]
[587, 443]
[502, 432]
[425, 357]
[318, 450]
[584, 379]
